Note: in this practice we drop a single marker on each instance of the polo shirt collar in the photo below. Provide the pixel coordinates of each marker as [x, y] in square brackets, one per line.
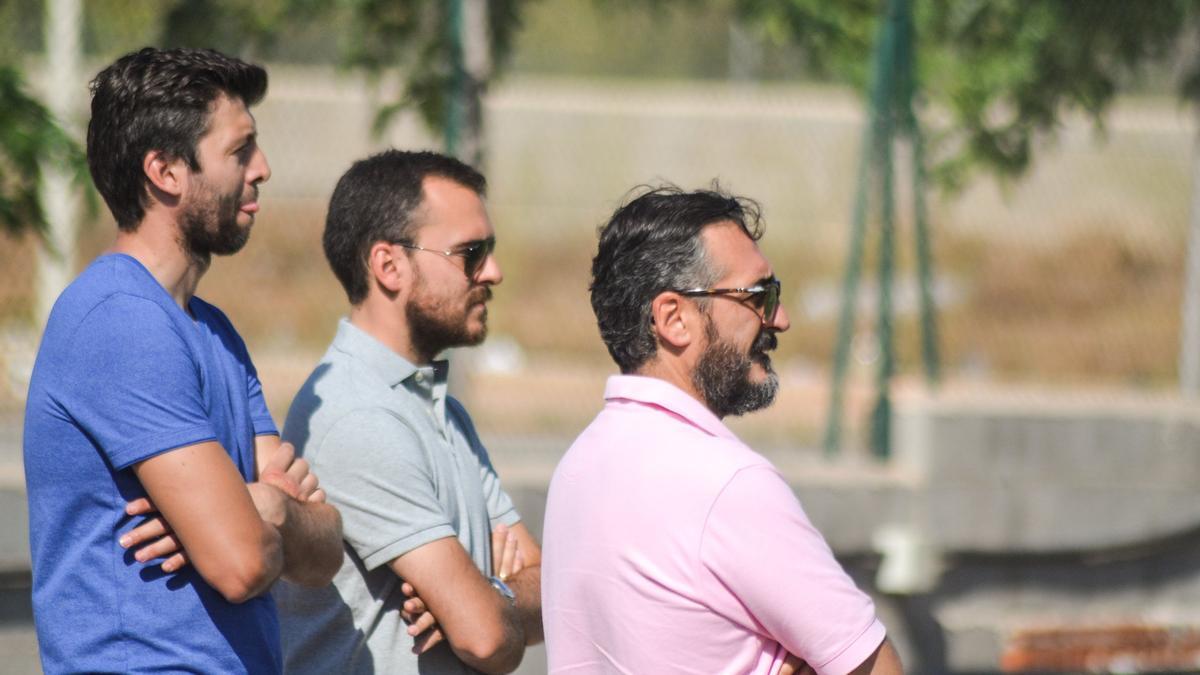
[428, 382]
[662, 394]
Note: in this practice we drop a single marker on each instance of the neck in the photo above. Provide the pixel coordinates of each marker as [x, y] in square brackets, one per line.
[675, 371]
[385, 322]
[157, 245]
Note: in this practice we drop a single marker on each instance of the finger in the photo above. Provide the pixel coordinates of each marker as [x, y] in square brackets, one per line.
[307, 486]
[175, 562]
[510, 553]
[424, 622]
[408, 590]
[428, 641]
[139, 506]
[298, 469]
[147, 531]
[317, 497]
[415, 606]
[518, 562]
[159, 548]
[282, 459]
[499, 543]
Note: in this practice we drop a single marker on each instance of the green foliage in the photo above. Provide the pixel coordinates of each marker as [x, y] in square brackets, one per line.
[413, 40]
[1005, 71]
[29, 136]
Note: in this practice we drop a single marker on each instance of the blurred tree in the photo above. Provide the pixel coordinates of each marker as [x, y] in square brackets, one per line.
[1006, 71]
[29, 136]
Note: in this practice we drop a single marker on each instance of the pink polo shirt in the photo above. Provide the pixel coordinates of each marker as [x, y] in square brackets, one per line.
[671, 547]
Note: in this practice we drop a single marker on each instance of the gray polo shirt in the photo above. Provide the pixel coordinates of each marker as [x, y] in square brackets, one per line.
[403, 464]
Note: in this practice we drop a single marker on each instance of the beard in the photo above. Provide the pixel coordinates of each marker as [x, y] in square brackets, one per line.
[436, 327]
[722, 375]
[209, 224]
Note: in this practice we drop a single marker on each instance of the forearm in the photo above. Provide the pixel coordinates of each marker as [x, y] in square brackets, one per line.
[520, 625]
[527, 612]
[312, 543]
[498, 654]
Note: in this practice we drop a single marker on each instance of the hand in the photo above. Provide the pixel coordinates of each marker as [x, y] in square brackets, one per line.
[422, 625]
[507, 559]
[794, 665]
[292, 475]
[153, 537]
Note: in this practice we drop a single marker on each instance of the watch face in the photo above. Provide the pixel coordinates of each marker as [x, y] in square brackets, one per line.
[503, 589]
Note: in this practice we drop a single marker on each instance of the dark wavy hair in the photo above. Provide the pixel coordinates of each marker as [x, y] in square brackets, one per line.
[650, 245]
[157, 99]
[375, 201]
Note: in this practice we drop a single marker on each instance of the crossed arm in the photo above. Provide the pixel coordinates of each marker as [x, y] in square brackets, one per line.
[240, 537]
[451, 600]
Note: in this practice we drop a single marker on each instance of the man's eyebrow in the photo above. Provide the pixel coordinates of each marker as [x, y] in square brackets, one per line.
[248, 137]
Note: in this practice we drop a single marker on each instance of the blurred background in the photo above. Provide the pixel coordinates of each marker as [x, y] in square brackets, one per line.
[982, 212]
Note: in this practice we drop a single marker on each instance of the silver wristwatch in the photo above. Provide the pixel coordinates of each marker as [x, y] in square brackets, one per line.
[503, 589]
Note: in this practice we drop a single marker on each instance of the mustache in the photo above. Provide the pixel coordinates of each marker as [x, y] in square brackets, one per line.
[765, 342]
[480, 294]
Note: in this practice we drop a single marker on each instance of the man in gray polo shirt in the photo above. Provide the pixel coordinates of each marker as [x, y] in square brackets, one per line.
[440, 575]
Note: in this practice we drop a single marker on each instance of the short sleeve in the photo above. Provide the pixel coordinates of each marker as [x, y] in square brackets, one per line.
[260, 415]
[759, 544]
[132, 382]
[375, 471]
[499, 505]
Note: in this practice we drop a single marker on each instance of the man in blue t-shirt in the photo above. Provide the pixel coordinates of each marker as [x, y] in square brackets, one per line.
[162, 505]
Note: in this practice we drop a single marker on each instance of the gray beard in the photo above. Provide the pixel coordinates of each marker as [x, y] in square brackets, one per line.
[722, 375]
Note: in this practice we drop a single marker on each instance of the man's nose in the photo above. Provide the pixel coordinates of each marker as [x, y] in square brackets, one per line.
[260, 169]
[780, 321]
[490, 273]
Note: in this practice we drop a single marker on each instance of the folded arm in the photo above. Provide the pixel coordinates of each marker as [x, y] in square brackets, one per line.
[311, 529]
[286, 499]
[484, 629]
[199, 491]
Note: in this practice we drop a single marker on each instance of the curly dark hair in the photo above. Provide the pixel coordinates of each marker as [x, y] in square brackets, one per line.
[157, 99]
[650, 245]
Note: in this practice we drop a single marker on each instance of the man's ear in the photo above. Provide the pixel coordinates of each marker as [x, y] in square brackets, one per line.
[676, 321]
[388, 266]
[167, 177]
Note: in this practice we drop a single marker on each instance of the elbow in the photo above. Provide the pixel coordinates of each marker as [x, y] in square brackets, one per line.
[494, 651]
[247, 574]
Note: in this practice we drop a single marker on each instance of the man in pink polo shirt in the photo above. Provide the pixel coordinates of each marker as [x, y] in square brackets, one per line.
[671, 546]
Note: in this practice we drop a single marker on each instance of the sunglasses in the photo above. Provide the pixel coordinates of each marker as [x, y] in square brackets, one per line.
[764, 297]
[473, 253]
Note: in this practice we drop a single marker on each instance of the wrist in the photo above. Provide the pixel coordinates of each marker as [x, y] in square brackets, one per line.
[504, 591]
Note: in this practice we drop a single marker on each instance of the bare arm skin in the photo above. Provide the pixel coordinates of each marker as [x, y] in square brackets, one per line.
[507, 561]
[286, 497]
[199, 491]
[527, 584]
[311, 529]
[482, 627]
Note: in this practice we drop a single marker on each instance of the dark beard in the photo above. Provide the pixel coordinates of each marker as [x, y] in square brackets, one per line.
[722, 375]
[432, 332]
[200, 241]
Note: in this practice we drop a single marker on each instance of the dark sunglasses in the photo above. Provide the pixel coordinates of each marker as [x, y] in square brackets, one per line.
[473, 253]
[764, 296]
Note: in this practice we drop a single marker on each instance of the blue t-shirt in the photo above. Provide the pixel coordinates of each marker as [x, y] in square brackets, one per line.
[124, 374]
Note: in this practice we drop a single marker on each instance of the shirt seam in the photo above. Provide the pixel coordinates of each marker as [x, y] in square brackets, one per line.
[406, 544]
